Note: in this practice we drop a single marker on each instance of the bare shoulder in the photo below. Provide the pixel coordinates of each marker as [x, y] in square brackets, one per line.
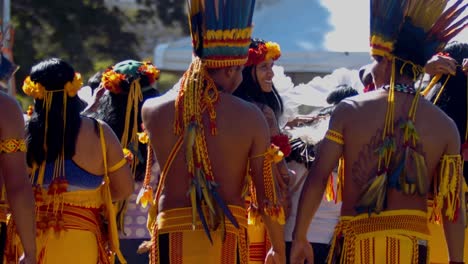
[440, 121]
[249, 111]
[156, 106]
[11, 117]
[343, 112]
[9, 105]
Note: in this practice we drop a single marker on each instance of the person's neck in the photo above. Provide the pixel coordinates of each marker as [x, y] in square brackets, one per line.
[403, 80]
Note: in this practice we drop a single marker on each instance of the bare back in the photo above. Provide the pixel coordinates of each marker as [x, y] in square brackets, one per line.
[361, 119]
[239, 125]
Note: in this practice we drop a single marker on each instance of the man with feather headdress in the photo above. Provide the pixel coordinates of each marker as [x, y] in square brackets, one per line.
[211, 146]
[395, 148]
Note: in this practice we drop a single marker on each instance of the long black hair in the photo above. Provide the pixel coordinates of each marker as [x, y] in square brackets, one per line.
[112, 109]
[53, 74]
[251, 91]
[453, 100]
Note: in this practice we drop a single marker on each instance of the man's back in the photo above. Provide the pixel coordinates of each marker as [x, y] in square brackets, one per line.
[242, 132]
[362, 120]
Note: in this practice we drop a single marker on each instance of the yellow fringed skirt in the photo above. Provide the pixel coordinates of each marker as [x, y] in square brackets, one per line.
[398, 236]
[175, 242]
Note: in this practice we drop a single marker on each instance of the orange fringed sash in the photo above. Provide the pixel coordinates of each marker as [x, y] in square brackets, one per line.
[271, 206]
[356, 232]
[447, 186]
[12, 145]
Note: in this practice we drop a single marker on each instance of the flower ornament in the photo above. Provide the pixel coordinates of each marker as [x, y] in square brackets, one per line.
[150, 71]
[111, 81]
[282, 142]
[263, 51]
[37, 90]
[129, 71]
[33, 89]
[74, 86]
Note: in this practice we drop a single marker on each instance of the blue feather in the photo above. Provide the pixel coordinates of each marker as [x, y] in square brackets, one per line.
[393, 180]
[203, 220]
[223, 206]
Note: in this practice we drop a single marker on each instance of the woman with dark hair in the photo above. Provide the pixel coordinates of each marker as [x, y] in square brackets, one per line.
[257, 87]
[77, 169]
[124, 87]
[257, 84]
[451, 97]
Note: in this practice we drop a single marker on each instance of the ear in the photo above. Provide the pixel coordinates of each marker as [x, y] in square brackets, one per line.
[387, 63]
[228, 72]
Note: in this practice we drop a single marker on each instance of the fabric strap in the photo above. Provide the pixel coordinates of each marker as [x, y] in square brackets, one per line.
[111, 217]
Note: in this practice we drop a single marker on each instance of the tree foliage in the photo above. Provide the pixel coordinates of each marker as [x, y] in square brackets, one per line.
[171, 13]
[83, 32]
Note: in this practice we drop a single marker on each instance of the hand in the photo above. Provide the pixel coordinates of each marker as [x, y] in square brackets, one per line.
[144, 247]
[301, 250]
[439, 64]
[274, 257]
[93, 103]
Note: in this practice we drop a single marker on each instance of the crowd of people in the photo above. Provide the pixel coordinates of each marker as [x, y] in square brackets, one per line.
[207, 173]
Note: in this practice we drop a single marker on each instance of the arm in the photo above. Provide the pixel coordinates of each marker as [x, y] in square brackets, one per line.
[327, 157]
[121, 181]
[260, 143]
[17, 184]
[440, 64]
[455, 229]
[281, 169]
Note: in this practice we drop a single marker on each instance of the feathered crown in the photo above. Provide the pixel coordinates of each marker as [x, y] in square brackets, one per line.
[413, 30]
[261, 50]
[221, 30]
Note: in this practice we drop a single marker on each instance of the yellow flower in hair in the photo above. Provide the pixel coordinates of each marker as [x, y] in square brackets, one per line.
[111, 81]
[143, 137]
[273, 50]
[33, 89]
[150, 71]
[74, 86]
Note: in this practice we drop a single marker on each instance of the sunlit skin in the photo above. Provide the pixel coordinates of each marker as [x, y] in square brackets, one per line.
[264, 75]
[238, 80]
[380, 69]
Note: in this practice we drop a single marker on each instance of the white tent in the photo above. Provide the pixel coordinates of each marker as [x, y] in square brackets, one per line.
[316, 36]
[302, 28]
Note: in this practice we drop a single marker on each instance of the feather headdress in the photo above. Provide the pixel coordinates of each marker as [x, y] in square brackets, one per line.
[220, 31]
[414, 30]
[410, 31]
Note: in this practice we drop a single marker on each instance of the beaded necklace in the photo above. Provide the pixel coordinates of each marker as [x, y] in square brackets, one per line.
[403, 88]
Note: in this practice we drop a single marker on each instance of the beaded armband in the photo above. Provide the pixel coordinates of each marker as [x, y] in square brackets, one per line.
[447, 188]
[271, 205]
[12, 145]
[334, 136]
